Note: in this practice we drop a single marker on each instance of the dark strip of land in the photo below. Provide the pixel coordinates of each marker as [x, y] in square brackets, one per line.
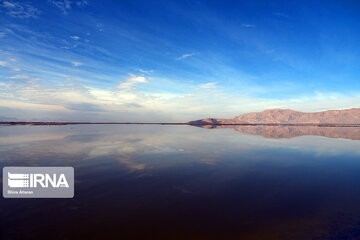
[78, 123]
[192, 124]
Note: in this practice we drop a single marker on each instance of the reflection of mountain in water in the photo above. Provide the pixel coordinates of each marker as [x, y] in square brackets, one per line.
[352, 133]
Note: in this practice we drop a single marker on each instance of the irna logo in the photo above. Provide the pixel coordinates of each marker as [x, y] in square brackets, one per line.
[38, 182]
[23, 180]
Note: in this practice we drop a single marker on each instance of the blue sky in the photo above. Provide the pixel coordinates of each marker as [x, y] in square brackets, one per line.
[175, 60]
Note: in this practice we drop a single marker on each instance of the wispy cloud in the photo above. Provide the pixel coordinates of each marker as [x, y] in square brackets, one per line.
[186, 55]
[146, 71]
[248, 25]
[19, 10]
[269, 51]
[66, 5]
[21, 105]
[81, 3]
[208, 85]
[2, 63]
[16, 69]
[76, 64]
[99, 26]
[75, 37]
[280, 14]
[2, 34]
[19, 77]
[71, 100]
[132, 81]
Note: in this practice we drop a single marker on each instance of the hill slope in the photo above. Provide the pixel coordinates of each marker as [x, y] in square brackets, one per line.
[288, 116]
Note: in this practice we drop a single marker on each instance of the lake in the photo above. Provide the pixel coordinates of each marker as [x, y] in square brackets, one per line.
[185, 182]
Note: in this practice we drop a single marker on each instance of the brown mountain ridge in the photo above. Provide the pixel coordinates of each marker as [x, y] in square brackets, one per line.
[288, 116]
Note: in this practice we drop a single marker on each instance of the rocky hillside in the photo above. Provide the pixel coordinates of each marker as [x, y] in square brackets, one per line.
[288, 116]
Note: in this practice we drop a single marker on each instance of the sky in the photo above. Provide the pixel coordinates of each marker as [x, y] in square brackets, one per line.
[175, 61]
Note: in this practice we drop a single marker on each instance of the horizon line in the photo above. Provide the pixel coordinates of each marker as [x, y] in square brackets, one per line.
[52, 123]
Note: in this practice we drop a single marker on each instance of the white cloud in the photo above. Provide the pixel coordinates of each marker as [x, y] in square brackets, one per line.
[75, 37]
[186, 55]
[19, 10]
[208, 85]
[76, 64]
[81, 3]
[128, 103]
[248, 25]
[7, 4]
[146, 71]
[280, 14]
[16, 69]
[26, 106]
[66, 5]
[99, 26]
[12, 59]
[63, 5]
[132, 81]
[2, 63]
[19, 77]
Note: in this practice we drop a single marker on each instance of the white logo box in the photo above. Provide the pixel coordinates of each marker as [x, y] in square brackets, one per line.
[38, 182]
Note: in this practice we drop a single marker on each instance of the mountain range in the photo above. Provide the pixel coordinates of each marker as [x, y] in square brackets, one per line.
[288, 116]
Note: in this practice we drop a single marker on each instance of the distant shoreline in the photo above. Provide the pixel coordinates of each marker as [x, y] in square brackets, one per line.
[190, 124]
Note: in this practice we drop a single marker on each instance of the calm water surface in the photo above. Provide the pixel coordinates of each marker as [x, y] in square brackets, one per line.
[183, 182]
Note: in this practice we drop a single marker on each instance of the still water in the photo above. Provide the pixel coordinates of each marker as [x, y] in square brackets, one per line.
[184, 182]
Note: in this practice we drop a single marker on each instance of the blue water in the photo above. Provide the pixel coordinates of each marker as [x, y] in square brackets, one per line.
[184, 182]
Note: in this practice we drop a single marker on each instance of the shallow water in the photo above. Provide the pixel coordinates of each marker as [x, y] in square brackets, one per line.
[183, 182]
